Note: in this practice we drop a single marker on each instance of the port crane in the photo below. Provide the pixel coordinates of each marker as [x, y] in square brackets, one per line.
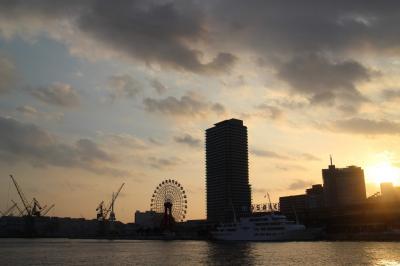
[100, 211]
[46, 210]
[108, 213]
[9, 210]
[27, 206]
[21, 212]
[30, 209]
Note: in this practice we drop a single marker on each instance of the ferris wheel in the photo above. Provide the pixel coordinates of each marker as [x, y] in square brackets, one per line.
[170, 194]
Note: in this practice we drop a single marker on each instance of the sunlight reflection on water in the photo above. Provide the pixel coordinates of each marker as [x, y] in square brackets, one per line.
[104, 252]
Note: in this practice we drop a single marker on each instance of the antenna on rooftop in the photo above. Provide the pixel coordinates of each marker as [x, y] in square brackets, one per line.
[330, 156]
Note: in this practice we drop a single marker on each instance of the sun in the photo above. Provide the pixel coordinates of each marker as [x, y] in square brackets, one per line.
[383, 172]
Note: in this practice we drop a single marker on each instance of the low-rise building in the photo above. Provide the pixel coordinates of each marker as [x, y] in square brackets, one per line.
[148, 219]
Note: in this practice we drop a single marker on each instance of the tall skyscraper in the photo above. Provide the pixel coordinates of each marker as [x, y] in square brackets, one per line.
[343, 186]
[227, 171]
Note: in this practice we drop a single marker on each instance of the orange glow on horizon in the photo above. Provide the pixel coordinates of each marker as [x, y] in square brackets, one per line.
[382, 172]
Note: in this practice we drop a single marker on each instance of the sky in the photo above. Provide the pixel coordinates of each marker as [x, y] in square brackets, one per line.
[96, 93]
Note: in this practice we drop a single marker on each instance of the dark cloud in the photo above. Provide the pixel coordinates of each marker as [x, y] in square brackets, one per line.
[267, 154]
[367, 126]
[188, 140]
[325, 81]
[223, 62]
[158, 86]
[89, 151]
[218, 108]
[188, 105]
[154, 32]
[391, 94]
[286, 28]
[299, 184]
[170, 33]
[28, 143]
[165, 33]
[57, 94]
[7, 74]
[124, 86]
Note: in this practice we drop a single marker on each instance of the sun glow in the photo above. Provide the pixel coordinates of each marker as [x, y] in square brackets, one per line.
[383, 172]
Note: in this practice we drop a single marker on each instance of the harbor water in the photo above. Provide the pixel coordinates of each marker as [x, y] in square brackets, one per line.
[148, 252]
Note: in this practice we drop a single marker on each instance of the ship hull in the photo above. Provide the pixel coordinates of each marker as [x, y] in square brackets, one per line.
[296, 235]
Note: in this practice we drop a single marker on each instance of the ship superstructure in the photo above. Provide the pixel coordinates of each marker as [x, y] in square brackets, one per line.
[269, 227]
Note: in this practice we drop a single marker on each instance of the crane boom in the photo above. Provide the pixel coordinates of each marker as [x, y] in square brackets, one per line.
[22, 196]
[21, 212]
[119, 190]
[113, 198]
[9, 210]
[46, 211]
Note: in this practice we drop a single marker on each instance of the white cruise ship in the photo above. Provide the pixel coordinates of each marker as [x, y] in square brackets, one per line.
[269, 227]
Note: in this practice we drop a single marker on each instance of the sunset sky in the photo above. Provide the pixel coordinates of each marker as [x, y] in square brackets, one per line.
[97, 93]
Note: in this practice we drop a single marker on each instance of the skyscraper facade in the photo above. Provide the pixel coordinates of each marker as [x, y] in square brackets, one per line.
[343, 186]
[227, 171]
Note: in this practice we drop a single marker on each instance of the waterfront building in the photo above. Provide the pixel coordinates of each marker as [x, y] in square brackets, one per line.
[148, 219]
[294, 207]
[297, 206]
[390, 192]
[315, 196]
[227, 172]
[343, 186]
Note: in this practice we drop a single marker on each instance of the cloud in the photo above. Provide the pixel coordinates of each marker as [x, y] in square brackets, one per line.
[218, 108]
[57, 94]
[188, 140]
[309, 157]
[288, 167]
[163, 163]
[190, 104]
[187, 35]
[325, 81]
[267, 154]
[20, 142]
[391, 94]
[282, 28]
[27, 110]
[155, 141]
[124, 86]
[158, 86]
[367, 126]
[270, 111]
[124, 140]
[163, 33]
[89, 151]
[299, 184]
[7, 74]
[32, 112]
[153, 32]
[223, 62]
